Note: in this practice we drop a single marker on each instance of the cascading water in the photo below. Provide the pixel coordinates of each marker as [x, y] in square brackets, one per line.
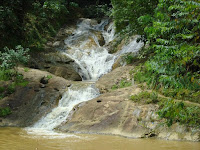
[76, 94]
[86, 47]
[132, 47]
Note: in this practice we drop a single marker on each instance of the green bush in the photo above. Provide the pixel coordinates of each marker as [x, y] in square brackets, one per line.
[146, 97]
[128, 59]
[31, 23]
[171, 30]
[122, 84]
[6, 75]
[127, 12]
[10, 59]
[174, 38]
[5, 111]
[178, 112]
[2, 90]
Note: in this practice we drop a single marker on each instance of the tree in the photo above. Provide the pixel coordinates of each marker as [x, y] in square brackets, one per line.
[126, 14]
[174, 35]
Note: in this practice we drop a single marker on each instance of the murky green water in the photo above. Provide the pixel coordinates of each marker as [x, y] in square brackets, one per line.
[18, 139]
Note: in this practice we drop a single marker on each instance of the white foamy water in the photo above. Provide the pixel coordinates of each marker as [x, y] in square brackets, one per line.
[92, 59]
[86, 46]
[132, 47]
[58, 115]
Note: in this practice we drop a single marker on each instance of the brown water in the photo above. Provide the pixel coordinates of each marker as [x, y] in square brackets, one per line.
[18, 139]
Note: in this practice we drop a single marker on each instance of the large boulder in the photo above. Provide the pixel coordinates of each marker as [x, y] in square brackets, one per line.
[28, 104]
[56, 63]
[113, 113]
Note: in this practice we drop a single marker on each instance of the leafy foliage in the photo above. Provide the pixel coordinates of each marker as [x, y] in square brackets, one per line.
[97, 11]
[32, 22]
[171, 30]
[11, 58]
[126, 14]
[177, 112]
[174, 38]
[5, 111]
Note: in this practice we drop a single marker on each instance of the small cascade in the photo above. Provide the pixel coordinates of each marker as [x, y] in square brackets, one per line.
[76, 94]
[109, 34]
[132, 47]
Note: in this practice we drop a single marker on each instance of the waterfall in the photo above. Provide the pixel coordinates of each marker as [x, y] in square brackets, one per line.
[86, 46]
[76, 94]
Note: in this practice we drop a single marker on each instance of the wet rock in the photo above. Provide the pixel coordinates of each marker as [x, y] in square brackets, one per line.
[67, 73]
[28, 104]
[56, 57]
[44, 80]
[100, 37]
[50, 44]
[108, 114]
[114, 113]
[57, 64]
[118, 63]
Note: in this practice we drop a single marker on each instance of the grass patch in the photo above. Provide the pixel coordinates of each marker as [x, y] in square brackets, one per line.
[122, 84]
[146, 98]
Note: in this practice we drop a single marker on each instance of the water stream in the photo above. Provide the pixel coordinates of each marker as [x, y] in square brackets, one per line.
[86, 46]
[76, 93]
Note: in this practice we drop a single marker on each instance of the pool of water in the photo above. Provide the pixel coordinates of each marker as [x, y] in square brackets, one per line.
[19, 139]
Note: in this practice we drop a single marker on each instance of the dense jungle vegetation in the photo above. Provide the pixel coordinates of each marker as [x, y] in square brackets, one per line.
[169, 28]
[31, 23]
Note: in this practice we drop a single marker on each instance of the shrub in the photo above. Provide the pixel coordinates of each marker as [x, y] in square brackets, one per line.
[5, 111]
[146, 97]
[12, 58]
[178, 112]
[122, 84]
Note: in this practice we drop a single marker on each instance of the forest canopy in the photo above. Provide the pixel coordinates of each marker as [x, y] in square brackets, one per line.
[31, 22]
